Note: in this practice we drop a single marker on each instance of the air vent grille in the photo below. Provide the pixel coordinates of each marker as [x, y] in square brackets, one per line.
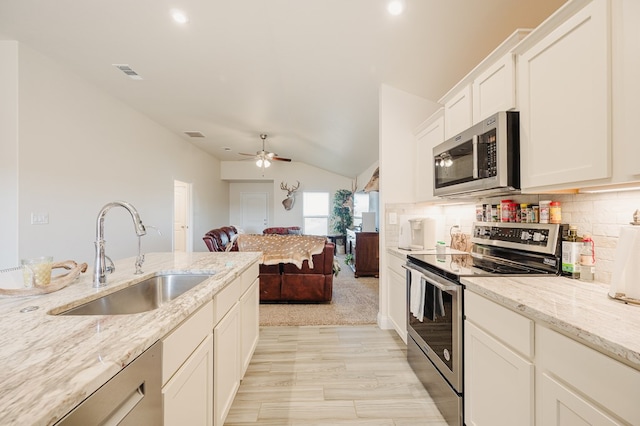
[194, 134]
[128, 71]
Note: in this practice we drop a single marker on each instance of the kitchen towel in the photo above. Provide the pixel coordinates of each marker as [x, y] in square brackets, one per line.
[625, 279]
[416, 307]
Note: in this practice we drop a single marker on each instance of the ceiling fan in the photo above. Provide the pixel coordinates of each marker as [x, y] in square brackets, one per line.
[264, 158]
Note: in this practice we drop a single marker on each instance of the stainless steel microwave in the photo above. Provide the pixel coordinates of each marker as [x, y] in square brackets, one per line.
[484, 160]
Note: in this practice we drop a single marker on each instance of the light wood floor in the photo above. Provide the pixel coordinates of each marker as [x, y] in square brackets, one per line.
[331, 375]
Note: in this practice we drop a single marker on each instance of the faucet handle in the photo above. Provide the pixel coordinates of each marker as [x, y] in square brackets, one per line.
[110, 268]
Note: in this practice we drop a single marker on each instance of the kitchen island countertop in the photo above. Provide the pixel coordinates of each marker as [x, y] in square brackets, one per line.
[579, 309]
[51, 363]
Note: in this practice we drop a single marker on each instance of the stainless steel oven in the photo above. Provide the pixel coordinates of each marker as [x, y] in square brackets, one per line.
[435, 302]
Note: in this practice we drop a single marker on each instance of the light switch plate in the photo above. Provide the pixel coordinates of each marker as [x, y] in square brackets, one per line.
[39, 218]
[393, 218]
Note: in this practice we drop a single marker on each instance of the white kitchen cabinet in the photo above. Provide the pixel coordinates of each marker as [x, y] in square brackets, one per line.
[235, 336]
[429, 134]
[458, 111]
[564, 98]
[188, 396]
[187, 371]
[498, 369]
[226, 363]
[397, 294]
[494, 89]
[578, 385]
[250, 320]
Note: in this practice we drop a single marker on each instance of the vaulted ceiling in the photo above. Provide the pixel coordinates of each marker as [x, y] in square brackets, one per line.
[306, 72]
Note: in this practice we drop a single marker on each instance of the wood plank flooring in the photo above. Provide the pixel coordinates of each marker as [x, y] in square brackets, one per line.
[331, 375]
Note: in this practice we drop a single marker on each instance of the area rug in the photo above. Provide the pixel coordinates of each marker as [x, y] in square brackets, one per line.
[355, 302]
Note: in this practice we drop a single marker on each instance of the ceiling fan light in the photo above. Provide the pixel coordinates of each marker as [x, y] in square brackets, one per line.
[267, 163]
[259, 162]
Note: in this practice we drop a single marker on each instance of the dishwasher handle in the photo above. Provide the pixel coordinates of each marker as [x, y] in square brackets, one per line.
[115, 417]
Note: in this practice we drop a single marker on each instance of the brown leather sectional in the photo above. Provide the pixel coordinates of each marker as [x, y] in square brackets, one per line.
[285, 282]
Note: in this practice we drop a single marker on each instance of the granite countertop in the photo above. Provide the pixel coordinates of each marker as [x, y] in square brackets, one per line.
[51, 363]
[576, 308]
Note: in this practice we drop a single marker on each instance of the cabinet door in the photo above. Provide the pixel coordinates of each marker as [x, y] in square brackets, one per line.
[458, 113]
[397, 288]
[250, 322]
[494, 90]
[560, 406]
[226, 363]
[498, 382]
[188, 396]
[564, 101]
[426, 139]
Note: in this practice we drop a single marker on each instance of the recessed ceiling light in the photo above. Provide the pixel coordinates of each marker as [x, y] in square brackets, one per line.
[179, 16]
[396, 7]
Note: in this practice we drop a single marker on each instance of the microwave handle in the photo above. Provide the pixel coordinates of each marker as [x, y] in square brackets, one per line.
[475, 156]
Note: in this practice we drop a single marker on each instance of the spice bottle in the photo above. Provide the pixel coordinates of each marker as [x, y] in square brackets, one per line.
[587, 259]
[544, 211]
[555, 212]
[571, 249]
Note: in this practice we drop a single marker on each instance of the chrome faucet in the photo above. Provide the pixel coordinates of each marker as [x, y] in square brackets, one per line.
[101, 269]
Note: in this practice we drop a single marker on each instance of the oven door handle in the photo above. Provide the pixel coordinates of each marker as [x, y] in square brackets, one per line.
[474, 143]
[443, 287]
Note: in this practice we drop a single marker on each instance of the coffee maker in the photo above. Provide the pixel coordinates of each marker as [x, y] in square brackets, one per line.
[417, 233]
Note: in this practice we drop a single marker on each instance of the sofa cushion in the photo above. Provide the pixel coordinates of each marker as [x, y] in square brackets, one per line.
[283, 230]
[220, 238]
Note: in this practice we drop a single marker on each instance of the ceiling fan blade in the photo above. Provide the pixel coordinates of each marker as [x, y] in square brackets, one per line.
[242, 153]
[281, 159]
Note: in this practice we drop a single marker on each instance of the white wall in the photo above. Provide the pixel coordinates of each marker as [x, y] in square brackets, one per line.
[310, 178]
[79, 148]
[400, 113]
[8, 153]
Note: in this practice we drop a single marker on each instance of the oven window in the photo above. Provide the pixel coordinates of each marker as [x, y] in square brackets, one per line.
[436, 328]
[454, 166]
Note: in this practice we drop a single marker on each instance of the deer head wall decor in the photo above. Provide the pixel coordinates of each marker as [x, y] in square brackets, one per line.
[288, 202]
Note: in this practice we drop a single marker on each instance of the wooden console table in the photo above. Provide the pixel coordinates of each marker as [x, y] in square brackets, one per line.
[364, 248]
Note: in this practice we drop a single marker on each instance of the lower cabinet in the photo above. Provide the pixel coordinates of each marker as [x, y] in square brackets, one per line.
[566, 383]
[499, 380]
[226, 364]
[188, 396]
[397, 295]
[187, 371]
[235, 336]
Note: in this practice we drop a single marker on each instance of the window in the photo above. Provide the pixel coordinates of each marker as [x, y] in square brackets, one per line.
[360, 204]
[315, 209]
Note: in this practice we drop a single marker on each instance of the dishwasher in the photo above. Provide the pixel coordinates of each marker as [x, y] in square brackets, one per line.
[131, 397]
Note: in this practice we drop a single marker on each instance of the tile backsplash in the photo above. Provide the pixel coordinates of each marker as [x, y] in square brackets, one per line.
[601, 215]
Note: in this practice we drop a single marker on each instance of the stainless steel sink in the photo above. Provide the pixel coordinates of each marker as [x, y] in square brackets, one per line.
[144, 296]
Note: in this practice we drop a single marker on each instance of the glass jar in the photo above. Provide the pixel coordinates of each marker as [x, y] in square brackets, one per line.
[544, 211]
[555, 212]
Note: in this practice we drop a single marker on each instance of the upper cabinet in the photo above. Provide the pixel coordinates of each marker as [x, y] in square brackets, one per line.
[429, 134]
[564, 83]
[487, 89]
[577, 96]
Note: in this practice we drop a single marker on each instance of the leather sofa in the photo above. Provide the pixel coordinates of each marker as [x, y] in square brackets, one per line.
[219, 239]
[285, 282]
[283, 230]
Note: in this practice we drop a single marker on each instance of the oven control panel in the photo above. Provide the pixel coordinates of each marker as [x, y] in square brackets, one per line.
[524, 236]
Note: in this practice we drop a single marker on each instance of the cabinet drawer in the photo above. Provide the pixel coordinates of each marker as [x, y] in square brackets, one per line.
[184, 339]
[249, 276]
[510, 327]
[602, 379]
[395, 264]
[225, 299]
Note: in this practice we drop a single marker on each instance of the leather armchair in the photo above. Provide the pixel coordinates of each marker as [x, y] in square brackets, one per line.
[218, 239]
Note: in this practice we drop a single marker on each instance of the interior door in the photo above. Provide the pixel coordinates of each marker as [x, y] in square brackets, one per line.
[181, 216]
[255, 215]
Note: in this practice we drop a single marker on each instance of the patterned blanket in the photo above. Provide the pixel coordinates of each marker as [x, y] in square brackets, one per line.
[283, 248]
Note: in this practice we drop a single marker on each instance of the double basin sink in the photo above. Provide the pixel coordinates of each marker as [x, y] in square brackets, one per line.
[144, 296]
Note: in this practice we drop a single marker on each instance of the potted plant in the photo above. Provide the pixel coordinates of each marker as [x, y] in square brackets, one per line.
[342, 216]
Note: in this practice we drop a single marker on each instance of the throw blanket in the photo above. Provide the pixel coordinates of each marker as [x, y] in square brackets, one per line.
[283, 248]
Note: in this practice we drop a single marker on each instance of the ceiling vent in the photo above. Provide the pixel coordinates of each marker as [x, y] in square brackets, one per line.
[128, 71]
[194, 134]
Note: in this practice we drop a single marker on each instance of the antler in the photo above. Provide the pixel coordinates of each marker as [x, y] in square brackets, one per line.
[291, 190]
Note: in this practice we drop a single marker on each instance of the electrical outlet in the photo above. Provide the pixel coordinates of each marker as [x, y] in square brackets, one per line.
[39, 218]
